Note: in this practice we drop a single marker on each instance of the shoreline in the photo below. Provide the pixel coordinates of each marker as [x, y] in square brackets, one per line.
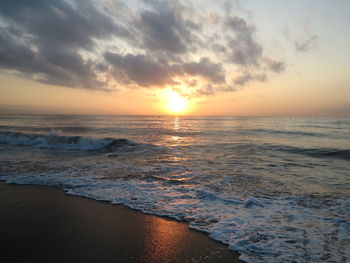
[44, 224]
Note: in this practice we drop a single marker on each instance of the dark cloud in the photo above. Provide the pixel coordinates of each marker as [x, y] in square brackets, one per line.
[86, 44]
[42, 40]
[57, 23]
[145, 71]
[60, 69]
[206, 69]
[162, 31]
[15, 55]
[140, 69]
[244, 49]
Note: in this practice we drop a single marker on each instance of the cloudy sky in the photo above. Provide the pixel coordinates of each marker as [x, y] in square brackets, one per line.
[248, 57]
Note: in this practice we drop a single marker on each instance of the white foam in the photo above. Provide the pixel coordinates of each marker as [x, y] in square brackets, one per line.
[261, 229]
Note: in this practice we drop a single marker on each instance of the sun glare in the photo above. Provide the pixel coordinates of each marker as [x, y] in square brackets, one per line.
[175, 103]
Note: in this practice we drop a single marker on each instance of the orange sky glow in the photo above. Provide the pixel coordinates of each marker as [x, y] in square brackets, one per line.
[177, 58]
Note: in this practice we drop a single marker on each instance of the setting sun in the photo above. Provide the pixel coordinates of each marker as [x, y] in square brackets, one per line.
[175, 103]
[232, 116]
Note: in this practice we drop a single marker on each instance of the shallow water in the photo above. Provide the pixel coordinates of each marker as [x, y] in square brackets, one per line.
[273, 189]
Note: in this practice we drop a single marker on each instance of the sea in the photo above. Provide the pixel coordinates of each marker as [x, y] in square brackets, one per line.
[272, 189]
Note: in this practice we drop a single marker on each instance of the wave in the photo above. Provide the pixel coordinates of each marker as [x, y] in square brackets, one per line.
[56, 141]
[315, 152]
[291, 132]
[244, 149]
[260, 229]
[69, 129]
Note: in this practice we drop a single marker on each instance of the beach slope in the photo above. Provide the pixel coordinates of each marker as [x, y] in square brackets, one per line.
[43, 224]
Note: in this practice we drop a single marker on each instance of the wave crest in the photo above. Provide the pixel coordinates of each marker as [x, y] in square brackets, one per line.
[315, 152]
[56, 141]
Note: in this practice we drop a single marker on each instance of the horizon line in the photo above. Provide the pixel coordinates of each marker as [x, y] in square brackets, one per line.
[185, 115]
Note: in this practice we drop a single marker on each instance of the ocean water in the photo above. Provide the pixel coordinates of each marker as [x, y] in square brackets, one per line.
[273, 189]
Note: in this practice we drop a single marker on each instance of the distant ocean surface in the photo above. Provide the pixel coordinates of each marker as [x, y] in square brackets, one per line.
[273, 189]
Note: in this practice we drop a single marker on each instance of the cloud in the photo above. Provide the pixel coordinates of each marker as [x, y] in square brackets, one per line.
[244, 49]
[248, 77]
[163, 30]
[206, 69]
[146, 71]
[64, 69]
[306, 41]
[50, 36]
[94, 44]
[57, 23]
[275, 65]
[140, 69]
[306, 44]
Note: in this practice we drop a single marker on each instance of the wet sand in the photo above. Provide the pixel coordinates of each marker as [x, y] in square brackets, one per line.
[43, 224]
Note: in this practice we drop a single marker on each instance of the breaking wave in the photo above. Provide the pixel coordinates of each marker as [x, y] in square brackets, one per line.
[56, 141]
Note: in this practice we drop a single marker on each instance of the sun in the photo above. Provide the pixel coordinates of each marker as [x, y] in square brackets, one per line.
[175, 103]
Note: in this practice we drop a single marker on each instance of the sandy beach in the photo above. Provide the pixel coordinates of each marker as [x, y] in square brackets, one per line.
[43, 224]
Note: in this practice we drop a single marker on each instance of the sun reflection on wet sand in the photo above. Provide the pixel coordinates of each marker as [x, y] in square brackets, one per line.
[165, 241]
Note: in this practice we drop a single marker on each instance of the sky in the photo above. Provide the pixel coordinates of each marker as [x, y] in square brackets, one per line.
[153, 57]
